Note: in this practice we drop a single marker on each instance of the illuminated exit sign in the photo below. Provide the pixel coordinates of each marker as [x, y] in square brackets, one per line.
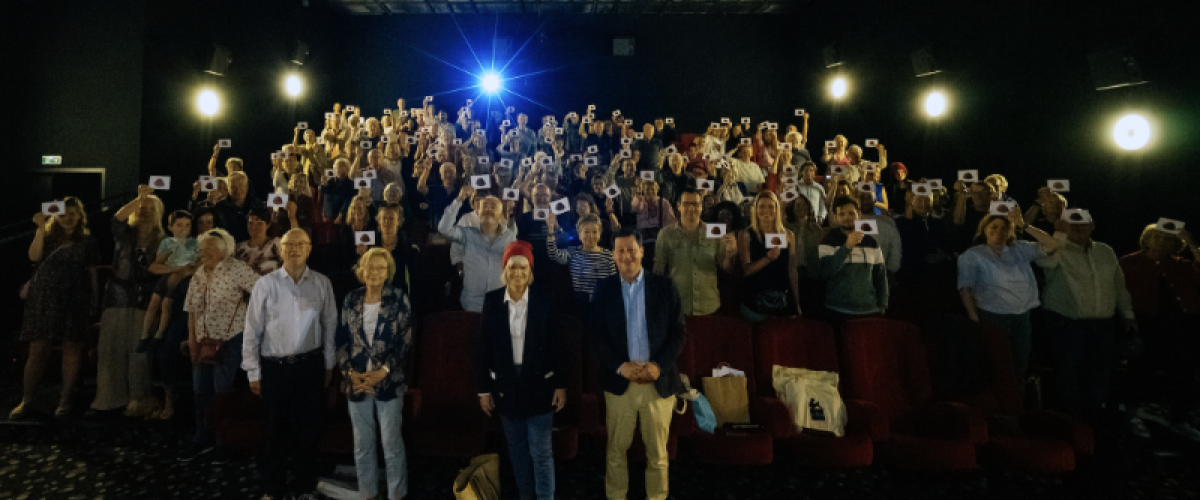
[51, 160]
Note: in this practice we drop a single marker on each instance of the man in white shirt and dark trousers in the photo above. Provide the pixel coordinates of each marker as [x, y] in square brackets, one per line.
[288, 353]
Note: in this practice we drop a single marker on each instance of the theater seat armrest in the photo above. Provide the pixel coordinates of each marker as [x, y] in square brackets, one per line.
[1055, 425]
[864, 418]
[953, 421]
[773, 415]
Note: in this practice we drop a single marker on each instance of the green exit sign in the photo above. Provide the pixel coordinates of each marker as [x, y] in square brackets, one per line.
[51, 160]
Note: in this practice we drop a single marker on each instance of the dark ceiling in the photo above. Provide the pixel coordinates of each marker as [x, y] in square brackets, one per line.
[661, 7]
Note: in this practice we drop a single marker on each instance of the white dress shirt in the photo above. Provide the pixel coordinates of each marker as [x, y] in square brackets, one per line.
[286, 318]
[518, 313]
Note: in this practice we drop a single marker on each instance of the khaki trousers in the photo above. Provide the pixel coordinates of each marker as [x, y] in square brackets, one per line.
[639, 403]
[122, 375]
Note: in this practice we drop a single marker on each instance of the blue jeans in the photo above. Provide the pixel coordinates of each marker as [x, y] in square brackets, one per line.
[1020, 336]
[529, 446]
[390, 413]
[208, 380]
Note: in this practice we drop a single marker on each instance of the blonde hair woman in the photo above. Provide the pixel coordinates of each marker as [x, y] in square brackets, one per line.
[768, 253]
[123, 378]
[374, 341]
[60, 301]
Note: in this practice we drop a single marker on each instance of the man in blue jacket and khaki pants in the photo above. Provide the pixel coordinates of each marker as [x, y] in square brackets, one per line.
[637, 352]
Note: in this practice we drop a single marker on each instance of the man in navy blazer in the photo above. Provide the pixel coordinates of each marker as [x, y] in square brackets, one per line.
[636, 330]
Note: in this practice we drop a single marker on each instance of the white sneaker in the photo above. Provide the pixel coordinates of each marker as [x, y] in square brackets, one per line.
[1138, 428]
[1186, 430]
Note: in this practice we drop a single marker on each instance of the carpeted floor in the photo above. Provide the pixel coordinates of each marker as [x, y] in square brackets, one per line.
[120, 458]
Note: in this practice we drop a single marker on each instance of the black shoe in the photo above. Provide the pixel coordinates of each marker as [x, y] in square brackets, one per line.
[143, 344]
[155, 343]
[193, 451]
[220, 456]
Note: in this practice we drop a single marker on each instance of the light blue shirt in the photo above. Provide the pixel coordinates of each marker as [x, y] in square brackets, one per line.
[482, 257]
[1003, 284]
[634, 296]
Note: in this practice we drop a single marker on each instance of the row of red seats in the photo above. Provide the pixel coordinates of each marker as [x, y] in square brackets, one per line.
[885, 382]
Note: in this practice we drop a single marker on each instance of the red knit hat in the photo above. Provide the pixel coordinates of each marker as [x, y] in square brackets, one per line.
[521, 248]
[899, 166]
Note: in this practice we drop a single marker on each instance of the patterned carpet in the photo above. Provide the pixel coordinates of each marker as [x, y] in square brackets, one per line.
[119, 458]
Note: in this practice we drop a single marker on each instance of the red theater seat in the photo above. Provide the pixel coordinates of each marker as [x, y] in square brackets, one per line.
[714, 340]
[448, 422]
[884, 363]
[804, 343]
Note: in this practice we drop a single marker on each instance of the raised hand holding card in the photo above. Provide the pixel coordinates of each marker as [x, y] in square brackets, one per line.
[866, 226]
[540, 214]
[775, 240]
[302, 125]
[225, 143]
[1002, 208]
[1170, 226]
[831, 144]
[872, 143]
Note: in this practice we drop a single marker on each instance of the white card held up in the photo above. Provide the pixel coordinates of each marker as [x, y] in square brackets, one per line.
[558, 131]
[646, 175]
[921, 189]
[593, 149]
[162, 182]
[790, 195]
[714, 125]
[773, 126]
[481, 181]
[329, 174]
[866, 187]
[724, 120]
[1002, 208]
[364, 237]
[428, 98]
[321, 141]
[576, 157]
[628, 123]
[775, 240]
[362, 183]
[968, 175]
[671, 149]
[612, 191]
[800, 112]
[786, 146]
[224, 143]
[277, 201]
[1059, 185]
[384, 139]
[868, 168]
[591, 161]
[330, 116]
[560, 206]
[506, 163]
[506, 123]
[626, 140]
[704, 184]
[639, 136]
[626, 154]
[365, 144]
[511, 109]
[540, 214]
[302, 125]
[209, 184]
[831, 144]
[746, 120]
[1170, 226]
[935, 184]
[714, 230]
[546, 161]
[275, 156]
[548, 140]
[457, 142]
[52, 208]
[349, 108]
[745, 141]
[670, 120]
[591, 107]
[1077, 216]
[838, 170]
[481, 132]
[368, 174]
[387, 112]
[411, 139]
[483, 160]
[789, 169]
[872, 143]
[616, 112]
[789, 181]
[866, 226]
[587, 120]
[525, 162]
[511, 194]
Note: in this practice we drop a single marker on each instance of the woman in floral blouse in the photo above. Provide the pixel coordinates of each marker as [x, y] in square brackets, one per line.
[374, 339]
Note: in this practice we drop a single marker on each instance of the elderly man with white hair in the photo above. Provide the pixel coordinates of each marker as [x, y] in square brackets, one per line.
[289, 353]
[483, 246]
[216, 307]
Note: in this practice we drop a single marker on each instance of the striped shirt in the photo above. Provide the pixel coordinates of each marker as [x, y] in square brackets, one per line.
[586, 267]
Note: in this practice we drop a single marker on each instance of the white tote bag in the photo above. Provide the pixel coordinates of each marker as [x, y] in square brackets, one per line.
[812, 399]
